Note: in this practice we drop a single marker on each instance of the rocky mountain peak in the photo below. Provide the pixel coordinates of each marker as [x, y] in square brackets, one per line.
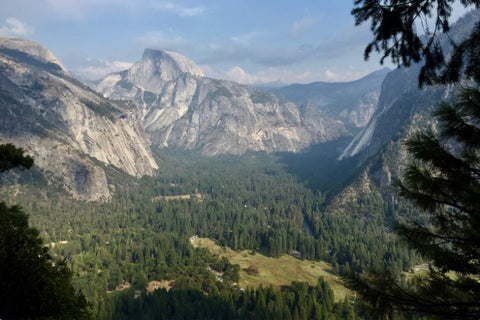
[16, 47]
[184, 64]
[157, 67]
[74, 134]
[182, 109]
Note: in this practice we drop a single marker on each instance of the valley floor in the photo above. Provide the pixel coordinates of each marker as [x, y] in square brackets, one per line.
[276, 272]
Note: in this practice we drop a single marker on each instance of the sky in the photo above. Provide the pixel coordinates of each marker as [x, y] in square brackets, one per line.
[248, 41]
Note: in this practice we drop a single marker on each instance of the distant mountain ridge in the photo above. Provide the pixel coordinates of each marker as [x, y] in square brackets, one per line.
[69, 129]
[183, 109]
[73, 133]
[352, 102]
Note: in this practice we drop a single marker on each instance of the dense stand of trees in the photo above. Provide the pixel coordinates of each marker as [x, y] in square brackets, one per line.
[245, 203]
[297, 301]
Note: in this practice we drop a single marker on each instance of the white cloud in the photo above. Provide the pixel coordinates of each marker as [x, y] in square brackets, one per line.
[280, 75]
[160, 40]
[330, 75]
[70, 9]
[343, 45]
[15, 28]
[344, 76]
[239, 75]
[78, 8]
[300, 26]
[244, 39]
[190, 12]
[210, 72]
[269, 75]
[101, 69]
[182, 11]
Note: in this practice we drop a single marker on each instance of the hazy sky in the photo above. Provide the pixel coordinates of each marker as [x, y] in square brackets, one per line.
[249, 41]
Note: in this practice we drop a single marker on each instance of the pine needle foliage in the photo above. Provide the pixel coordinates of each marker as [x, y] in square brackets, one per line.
[395, 25]
[443, 180]
[12, 157]
[33, 285]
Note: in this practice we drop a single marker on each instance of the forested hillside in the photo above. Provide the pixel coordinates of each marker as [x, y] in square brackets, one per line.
[180, 191]
[247, 202]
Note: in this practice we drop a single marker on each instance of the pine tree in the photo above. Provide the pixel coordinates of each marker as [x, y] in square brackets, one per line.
[443, 178]
[444, 181]
[12, 157]
[32, 284]
[394, 24]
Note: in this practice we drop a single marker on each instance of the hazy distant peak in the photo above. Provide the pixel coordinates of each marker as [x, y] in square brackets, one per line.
[158, 67]
[382, 72]
[30, 48]
[184, 64]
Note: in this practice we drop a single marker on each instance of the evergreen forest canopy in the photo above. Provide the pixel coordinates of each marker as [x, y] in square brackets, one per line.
[143, 235]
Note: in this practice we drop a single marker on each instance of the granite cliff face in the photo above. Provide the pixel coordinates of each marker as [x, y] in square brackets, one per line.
[181, 108]
[378, 149]
[404, 106]
[71, 131]
[403, 109]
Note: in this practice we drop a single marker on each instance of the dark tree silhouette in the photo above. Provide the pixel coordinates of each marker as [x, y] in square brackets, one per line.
[443, 178]
[394, 25]
[12, 157]
[32, 284]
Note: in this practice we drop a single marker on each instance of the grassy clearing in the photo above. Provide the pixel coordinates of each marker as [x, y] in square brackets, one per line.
[197, 196]
[276, 271]
[153, 285]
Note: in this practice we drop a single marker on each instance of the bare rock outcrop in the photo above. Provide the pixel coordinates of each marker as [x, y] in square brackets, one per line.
[71, 131]
[181, 108]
